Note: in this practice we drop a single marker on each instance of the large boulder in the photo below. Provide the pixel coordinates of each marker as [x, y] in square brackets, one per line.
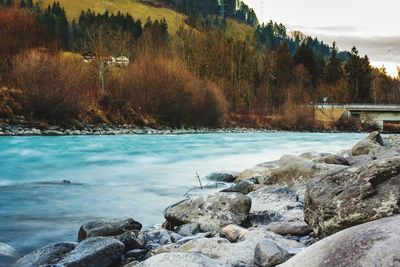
[294, 170]
[371, 244]
[353, 196]
[49, 254]
[275, 203]
[212, 211]
[112, 227]
[180, 259]
[373, 141]
[364, 147]
[94, 252]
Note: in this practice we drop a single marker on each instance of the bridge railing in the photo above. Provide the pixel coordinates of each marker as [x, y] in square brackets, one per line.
[356, 106]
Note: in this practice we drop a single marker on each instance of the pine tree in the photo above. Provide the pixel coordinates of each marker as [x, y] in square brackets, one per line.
[306, 57]
[22, 4]
[358, 72]
[334, 70]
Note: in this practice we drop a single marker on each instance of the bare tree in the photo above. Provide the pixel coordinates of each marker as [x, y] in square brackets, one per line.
[105, 42]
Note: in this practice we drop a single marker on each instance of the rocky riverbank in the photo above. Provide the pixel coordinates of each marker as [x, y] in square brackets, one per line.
[310, 210]
[9, 130]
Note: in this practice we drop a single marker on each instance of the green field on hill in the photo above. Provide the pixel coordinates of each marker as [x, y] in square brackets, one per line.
[142, 11]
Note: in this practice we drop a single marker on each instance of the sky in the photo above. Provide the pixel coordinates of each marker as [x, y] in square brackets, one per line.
[372, 26]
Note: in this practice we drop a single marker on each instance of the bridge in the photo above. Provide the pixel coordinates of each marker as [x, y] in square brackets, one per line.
[380, 114]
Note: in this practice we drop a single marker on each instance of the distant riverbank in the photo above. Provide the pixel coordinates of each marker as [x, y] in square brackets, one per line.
[105, 129]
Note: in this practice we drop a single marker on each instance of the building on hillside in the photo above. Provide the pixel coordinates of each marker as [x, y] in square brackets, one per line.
[88, 57]
[122, 61]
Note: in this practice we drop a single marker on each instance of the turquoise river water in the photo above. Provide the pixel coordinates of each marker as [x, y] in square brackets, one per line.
[122, 176]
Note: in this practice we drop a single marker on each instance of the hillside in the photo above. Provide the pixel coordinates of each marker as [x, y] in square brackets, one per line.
[141, 11]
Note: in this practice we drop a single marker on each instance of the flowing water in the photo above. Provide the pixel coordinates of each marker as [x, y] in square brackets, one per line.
[122, 176]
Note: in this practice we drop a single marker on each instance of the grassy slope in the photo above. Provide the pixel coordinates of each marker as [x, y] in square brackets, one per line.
[142, 12]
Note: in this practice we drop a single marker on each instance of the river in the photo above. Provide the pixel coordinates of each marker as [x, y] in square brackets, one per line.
[118, 176]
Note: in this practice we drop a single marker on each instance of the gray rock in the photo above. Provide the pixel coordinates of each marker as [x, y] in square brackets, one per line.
[263, 171]
[131, 264]
[277, 203]
[353, 196]
[383, 152]
[392, 140]
[212, 211]
[257, 179]
[289, 228]
[371, 244]
[175, 237]
[226, 177]
[49, 254]
[258, 234]
[180, 259]
[193, 237]
[243, 187]
[157, 237]
[136, 253]
[376, 137]
[294, 170]
[359, 160]
[189, 229]
[312, 155]
[364, 147]
[214, 248]
[242, 253]
[332, 159]
[112, 227]
[234, 233]
[132, 240]
[269, 254]
[94, 252]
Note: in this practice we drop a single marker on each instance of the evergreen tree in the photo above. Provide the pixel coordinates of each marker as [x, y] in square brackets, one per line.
[306, 57]
[22, 4]
[334, 70]
[9, 3]
[283, 76]
[358, 71]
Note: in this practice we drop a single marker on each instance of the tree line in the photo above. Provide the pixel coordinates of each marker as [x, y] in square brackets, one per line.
[196, 76]
[225, 8]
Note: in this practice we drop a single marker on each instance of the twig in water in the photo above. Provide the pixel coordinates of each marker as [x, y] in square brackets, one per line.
[198, 178]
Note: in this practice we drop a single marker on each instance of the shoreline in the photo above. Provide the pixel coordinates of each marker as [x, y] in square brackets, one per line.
[92, 130]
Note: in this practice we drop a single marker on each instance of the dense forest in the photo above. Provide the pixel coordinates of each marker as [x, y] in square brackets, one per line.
[198, 76]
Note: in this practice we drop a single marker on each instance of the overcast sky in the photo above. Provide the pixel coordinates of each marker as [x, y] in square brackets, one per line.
[372, 26]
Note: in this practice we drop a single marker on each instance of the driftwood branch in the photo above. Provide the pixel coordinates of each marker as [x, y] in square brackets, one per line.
[198, 178]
